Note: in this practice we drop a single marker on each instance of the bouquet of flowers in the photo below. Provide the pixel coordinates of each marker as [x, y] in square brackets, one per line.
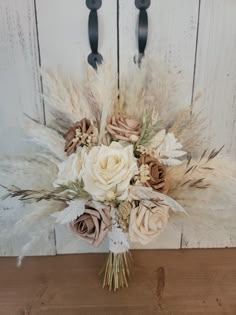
[125, 163]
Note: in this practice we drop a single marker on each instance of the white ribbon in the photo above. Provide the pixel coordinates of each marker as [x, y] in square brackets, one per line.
[118, 240]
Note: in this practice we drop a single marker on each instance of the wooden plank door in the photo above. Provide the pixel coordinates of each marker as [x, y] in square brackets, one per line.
[48, 34]
[64, 46]
[20, 89]
[196, 40]
[215, 77]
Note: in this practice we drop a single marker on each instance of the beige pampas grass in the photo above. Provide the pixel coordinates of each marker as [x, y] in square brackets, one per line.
[151, 90]
[103, 85]
[213, 180]
[188, 127]
[68, 102]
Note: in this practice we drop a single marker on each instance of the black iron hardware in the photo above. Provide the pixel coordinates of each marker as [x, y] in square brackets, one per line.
[142, 5]
[94, 58]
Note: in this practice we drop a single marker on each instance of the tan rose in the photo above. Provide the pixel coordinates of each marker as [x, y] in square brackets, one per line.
[83, 132]
[156, 178]
[147, 221]
[122, 127]
[93, 224]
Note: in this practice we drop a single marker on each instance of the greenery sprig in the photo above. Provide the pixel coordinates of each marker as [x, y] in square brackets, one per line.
[63, 193]
[148, 129]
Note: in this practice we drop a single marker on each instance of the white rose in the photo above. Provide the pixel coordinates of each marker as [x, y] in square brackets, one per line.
[147, 221]
[70, 169]
[107, 171]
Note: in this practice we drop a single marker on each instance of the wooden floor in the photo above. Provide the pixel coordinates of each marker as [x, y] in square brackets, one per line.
[167, 282]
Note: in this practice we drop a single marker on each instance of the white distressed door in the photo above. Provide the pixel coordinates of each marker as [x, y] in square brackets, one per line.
[196, 39]
[51, 34]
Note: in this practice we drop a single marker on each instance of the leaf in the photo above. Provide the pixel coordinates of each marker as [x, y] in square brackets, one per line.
[140, 193]
[169, 150]
[75, 209]
[174, 205]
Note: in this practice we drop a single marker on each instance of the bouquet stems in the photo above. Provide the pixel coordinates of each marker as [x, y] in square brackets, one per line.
[116, 271]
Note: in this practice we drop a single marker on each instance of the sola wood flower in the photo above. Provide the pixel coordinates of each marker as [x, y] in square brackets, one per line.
[93, 224]
[147, 221]
[152, 173]
[81, 133]
[123, 214]
[167, 149]
[122, 127]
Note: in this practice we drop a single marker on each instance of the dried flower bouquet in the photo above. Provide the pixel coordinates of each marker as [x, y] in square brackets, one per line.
[124, 164]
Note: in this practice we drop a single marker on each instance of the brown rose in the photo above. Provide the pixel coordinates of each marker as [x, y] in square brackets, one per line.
[122, 127]
[93, 224]
[157, 173]
[81, 133]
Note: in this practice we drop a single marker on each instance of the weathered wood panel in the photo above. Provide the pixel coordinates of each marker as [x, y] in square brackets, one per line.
[19, 77]
[216, 78]
[19, 89]
[172, 32]
[186, 282]
[64, 46]
[216, 72]
[172, 29]
[203, 60]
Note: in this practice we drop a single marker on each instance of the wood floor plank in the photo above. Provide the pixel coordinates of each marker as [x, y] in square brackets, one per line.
[165, 282]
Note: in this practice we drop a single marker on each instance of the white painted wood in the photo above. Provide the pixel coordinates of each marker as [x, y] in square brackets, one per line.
[216, 79]
[63, 34]
[19, 78]
[64, 45]
[69, 244]
[216, 71]
[19, 91]
[171, 39]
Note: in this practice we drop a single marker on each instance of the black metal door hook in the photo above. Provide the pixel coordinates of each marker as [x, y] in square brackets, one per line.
[142, 5]
[94, 58]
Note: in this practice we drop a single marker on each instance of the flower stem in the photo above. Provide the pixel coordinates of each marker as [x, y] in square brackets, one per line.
[116, 271]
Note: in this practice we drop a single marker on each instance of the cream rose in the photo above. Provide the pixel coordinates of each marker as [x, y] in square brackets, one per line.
[70, 169]
[107, 171]
[147, 221]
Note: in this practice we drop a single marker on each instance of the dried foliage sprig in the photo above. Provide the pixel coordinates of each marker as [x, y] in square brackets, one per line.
[63, 193]
[148, 129]
[193, 174]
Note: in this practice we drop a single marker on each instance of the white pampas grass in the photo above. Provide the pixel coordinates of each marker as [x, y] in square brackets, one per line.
[103, 86]
[34, 171]
[151, 88]
[188, 127]
[49, 141]
[40, 211]
[26, 223]
[94, 98]
[65, 94]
